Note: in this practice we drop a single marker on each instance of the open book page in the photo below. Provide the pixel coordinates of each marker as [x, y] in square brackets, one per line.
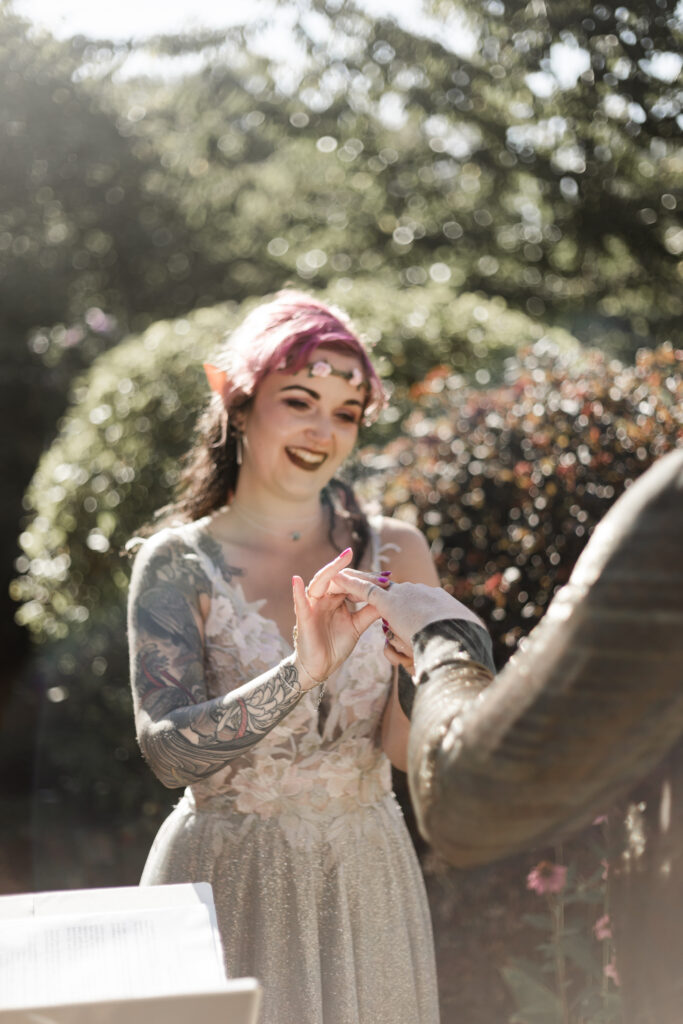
[239, 1004]
[52, 957]
[130, 897]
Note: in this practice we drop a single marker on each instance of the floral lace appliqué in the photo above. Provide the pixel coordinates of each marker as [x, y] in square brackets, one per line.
[305, 781]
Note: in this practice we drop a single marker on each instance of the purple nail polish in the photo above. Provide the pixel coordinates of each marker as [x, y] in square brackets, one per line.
[385, 628]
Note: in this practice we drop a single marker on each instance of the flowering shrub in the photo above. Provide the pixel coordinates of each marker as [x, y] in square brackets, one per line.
[573, 978]
[547, 877]
[508, 482]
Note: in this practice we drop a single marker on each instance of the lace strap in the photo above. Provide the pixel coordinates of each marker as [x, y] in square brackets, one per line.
[377, 549]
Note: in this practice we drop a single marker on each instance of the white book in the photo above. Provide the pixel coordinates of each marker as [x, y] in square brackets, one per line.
[87, 954]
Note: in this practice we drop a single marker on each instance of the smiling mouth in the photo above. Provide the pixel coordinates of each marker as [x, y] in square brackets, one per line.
[305, 459]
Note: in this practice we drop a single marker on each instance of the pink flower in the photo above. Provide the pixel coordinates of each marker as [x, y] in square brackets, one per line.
[356, 378]
[610, 971]
[98, 321]
[492, 583]
[321, 369]
[547, 877]
[602, 928]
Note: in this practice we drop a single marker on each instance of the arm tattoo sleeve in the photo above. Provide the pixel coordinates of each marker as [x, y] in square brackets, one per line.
[443, 649]
[182, 735]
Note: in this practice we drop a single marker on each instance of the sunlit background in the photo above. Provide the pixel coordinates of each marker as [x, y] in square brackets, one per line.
[490, 189]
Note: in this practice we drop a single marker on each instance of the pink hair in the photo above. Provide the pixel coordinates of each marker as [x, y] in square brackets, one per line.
[283, 333]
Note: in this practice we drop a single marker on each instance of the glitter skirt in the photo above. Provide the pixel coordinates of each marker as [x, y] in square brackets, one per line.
[329, 912]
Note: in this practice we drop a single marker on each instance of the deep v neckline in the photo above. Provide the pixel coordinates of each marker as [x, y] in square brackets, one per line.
[231, 582]
[247, 604]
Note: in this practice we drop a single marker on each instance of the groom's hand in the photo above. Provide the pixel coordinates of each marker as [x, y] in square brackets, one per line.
[405, 607]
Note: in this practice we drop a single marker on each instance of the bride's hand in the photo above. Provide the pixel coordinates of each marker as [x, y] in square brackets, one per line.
[326, 629]
[406, 607]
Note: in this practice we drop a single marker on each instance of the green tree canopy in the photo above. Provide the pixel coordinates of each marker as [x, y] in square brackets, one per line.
[392, 161]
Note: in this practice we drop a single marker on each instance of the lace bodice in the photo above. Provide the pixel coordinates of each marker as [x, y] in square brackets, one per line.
[316, 761]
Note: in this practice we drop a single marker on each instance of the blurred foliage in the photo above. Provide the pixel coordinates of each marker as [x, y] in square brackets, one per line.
[76, 234]
[571, 977]
[115, 460]
[388, 153]
[556, 191]
[406, 158]
[508, 482]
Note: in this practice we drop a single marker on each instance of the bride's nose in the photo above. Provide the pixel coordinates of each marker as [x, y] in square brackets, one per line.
[320, 427]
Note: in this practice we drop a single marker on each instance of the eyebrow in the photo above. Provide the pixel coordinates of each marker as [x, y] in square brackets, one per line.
[314, 394]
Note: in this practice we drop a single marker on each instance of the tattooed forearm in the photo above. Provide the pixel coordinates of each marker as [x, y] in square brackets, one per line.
[184, 736]
[194, 741]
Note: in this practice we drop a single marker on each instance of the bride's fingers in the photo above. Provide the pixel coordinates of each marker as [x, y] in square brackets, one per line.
[318, 584]
[301, 609]
[397, 643]
[357, 589]
[376, 594]
[364, 617]
[339, 584]
[305, 611]
[394, 658]
[381, 576]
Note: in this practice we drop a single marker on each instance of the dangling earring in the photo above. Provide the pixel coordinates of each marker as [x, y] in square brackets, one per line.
[238, 449]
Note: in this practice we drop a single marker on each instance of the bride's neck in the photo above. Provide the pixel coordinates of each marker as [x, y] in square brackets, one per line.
[272, 522]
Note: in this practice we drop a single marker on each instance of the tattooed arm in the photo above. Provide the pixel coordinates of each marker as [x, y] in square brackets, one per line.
[183, 736]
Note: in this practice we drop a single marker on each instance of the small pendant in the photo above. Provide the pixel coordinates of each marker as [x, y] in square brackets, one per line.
[296, 535]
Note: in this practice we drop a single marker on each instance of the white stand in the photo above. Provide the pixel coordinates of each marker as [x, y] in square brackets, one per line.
[105, 956]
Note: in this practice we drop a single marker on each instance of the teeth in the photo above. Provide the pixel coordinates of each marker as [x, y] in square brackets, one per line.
[306, 456]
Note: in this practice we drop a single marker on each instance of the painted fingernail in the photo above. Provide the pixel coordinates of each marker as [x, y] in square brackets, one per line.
[385, 627]
[344, 552]
[386, 572]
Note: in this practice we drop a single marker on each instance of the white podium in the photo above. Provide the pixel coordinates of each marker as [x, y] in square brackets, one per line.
[109, 956]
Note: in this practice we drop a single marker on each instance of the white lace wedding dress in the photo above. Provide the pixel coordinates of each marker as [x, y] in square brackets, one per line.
[318, 891]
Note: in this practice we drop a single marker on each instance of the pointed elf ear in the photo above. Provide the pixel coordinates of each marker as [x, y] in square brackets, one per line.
[217, 379]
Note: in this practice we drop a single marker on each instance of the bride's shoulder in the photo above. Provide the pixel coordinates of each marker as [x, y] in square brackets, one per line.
[405, 550]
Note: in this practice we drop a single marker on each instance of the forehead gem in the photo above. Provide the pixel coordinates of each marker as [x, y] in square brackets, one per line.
[321, 368]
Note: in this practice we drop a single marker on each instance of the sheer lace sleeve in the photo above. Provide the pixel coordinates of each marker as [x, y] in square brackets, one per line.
[442, 646]
[183, 735]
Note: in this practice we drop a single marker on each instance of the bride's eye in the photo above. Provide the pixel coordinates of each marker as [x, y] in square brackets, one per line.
[296, 403]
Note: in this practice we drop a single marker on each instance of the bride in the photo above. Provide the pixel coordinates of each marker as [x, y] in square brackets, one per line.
[282, 737]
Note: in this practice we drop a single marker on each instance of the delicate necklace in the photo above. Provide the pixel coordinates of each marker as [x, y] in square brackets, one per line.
[293, 528]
